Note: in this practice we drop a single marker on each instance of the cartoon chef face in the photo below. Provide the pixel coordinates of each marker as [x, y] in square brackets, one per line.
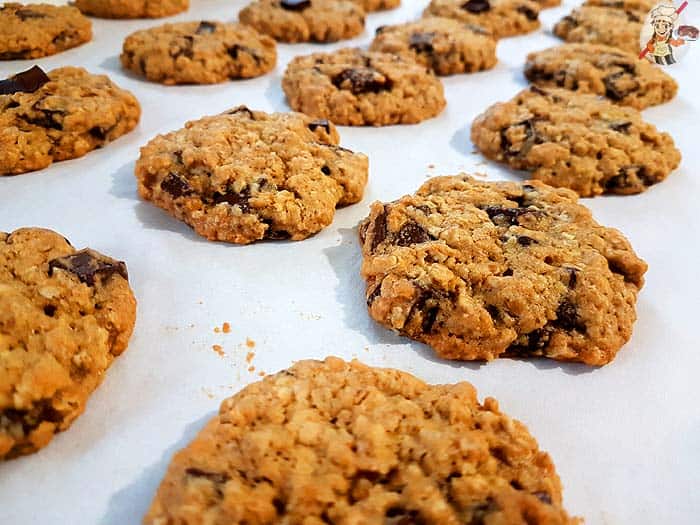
[663, 17]
[662, 27]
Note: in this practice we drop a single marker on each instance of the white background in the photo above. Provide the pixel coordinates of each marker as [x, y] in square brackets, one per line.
[625, 438]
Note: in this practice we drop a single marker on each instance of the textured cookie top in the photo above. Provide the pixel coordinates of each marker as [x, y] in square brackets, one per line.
[355, 87]
[198, 52]
[639, 5]
[582, 142]
[64, 316]
[132, 8]
[445, 45]
[378, 5]
[247, 175]
[602, 70]
[305, 20]
[67, 116]
[602, 25]
[37, 30]
[479, 270]
[341, 443]
[500, 17]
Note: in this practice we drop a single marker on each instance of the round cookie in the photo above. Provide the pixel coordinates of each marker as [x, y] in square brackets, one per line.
[132, 8]
[479, 270]
[378, 5]
[65, 315]
[444, 45]
[357, 88]
[198, 53]
[295, 21]
[577, 141]
[330, 442]
[38, 30]
[246, 175]
[59, 116]
[602, 70]
[500, 17]
[602, 25]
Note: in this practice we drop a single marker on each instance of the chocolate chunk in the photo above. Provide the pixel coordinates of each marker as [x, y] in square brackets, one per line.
[535, 73]
[320, 123]
[277, 235]
[476, 6]
[630, 179]
[427, 306]
[421, 42]
[380, 29]
[175, 186]
[573, 277]
[509, 216]
[237, 49]
[632, 17]
[529, 13]
[206, 28]
[218, 478]
[49, 119]
[532, 137]
[410, 233]
[326, 170]
[524, 240]
[375, 293]
[88, 264]
[295, 5]
[570, 20]
[362, 80]
[613, 91]
[620, 126]
[234, 199]
[242, 109]
[544, 497]
[49, 310]
[27, 14]
[568, 318]
[531, 344]
[626, 67]
[379, 230]
[25, 82]
[40, 412]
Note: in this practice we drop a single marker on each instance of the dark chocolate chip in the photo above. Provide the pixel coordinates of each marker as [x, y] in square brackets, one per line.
[206, 28]
[25, 82]
[49, 310]
[242, 109]
[30, 419]
[493, 311]
[613, 91]
[568, 318]
[510, 216]
[379, 230]
[184, 48]
[476, 6]
[630, 179]
[410, 233]
[570, 20]
[529, 13]
[573, 277]
[544, 497]
[531, 344]
[421, 42]
[27, 14]
[88, 264]
[426, 304]
[217, 478]
[234, 199]
[320, 123]
[295, 5]
[375, 293]
[524, 240]
[175, 186]
[620, 126]
[48, 118]
[235, 50]
[532, 137]
[326, 170]
[632, 17]
[98, 133]
[380, 29]
[362, 80]
[507, 273]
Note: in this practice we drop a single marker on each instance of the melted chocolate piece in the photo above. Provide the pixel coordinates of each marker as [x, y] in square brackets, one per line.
[530, 14]
[320, 123]
[234, 199]
[87, 264]
[476, 6]
[379, 230]
[612, 91]
[206, 28]
[217, 478]
[524, 240]
[295, 5]
[25, 82]
[620, 127]
[176, 186]
[531, 344]
[410, 233]
[421, 42]
[362, 80]
[500, 215]
[630, 177]
[568, 318]
[532, 137]
[242, 109]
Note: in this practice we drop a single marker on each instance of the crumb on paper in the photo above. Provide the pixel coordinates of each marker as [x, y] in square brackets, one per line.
[249, 357]
[249, 342]
[480, 174]
[251, 369]
[208, 393]
[219, 350]
[366, 348]
[226, 328]
[217, 330]
[262, 373]
[431, 166]
[475, 152]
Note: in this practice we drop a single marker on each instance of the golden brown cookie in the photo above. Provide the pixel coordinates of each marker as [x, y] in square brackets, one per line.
[341, 443]
[582, 142]
[479, 270]
[198, 53]
[59, 116]
[353, 87]
[378, 5]
[247, 175]
[132, 8]
[601, 70]
[590, 24]
[38, 30]
[65, 315]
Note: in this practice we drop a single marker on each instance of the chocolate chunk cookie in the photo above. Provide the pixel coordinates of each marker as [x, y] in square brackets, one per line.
[500, 17]
[603, 70]
[198, 53]
[479, 270]
[59, 116]
[246, 175]
[343, 443]
[378, 5]
[602, 25]
[576, 141]
[445, 45]
[132, 8]
[65, 315]
[357, 88]
[38, 30]
[305, 20]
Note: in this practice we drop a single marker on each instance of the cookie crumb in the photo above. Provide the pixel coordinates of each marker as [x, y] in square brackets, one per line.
[262, 373]
[226, 328]
[431, 166]
[249, 357]
[217, 330]
[251, 369]
[249, 342]
[219, 350]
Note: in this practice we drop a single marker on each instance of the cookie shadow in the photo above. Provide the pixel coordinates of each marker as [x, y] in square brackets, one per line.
[462, 143]
[131, 503]
[124, 183]
[275, 95]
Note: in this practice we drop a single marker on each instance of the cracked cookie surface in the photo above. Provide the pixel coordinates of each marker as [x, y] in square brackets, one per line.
[68, 114]
[591, 24]
[65, 315]
[247, 175]
[295, 21]
[500, 17]
[38, 30]
[341, 443]
[357, 88]
[577, 141]
[198, 53]
[132, 8]
[445, 45]
[601, 70]
[479, 270]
